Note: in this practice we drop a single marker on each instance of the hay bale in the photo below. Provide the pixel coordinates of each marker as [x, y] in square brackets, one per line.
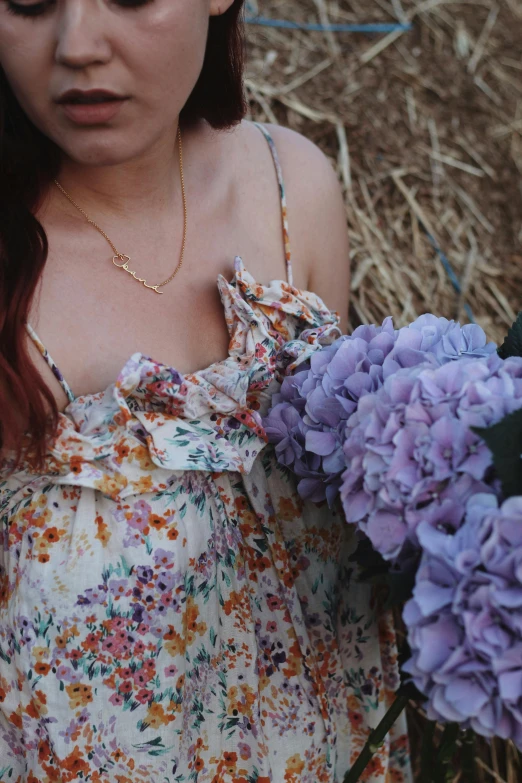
[424, 129]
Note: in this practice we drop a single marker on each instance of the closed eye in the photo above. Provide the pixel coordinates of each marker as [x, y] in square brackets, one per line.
[37, 9]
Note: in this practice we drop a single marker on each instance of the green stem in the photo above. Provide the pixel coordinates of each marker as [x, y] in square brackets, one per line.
[377, 735]
[447, 748]
[468, 755]
[426, 753]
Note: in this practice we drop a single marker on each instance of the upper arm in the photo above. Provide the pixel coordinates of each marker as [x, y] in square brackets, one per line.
[317, 220]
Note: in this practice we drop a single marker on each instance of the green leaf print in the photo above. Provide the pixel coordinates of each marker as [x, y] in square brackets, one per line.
[261, 544]
[154, 747]
[225, 577]
[148, 544]
[189, 584]
[42, 627]
[126, 568]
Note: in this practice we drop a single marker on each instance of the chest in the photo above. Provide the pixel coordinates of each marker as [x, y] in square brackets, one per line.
[92, 316]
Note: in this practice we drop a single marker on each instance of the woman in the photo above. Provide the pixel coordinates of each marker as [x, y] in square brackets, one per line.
[170, 609]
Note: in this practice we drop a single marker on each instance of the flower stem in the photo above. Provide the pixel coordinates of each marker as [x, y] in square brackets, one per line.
[377, 735]
[468, 756]
[447, 748]
[427, 751]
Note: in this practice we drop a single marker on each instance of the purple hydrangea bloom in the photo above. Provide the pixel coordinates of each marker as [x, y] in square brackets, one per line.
[465, 619]
[411, 454]
[308, 416]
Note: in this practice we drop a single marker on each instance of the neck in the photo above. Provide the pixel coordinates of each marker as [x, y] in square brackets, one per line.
[145, 189]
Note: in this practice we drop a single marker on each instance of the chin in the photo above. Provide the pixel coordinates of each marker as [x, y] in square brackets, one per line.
[99, 151]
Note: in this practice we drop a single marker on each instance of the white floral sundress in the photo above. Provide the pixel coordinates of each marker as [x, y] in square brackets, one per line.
[170, 609]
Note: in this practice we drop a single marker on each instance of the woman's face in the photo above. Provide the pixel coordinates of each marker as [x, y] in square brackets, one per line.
[149, 50]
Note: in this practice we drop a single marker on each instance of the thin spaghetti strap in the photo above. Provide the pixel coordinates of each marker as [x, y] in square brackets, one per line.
[54, 367]
[279, 171]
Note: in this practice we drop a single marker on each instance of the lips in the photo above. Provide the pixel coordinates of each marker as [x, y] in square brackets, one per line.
[92, 113]
[87, 100]
[89, 96]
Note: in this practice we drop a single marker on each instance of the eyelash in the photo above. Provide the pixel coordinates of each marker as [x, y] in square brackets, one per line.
[40, 8]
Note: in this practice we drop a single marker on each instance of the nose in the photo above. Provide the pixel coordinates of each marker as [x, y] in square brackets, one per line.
[82, 35]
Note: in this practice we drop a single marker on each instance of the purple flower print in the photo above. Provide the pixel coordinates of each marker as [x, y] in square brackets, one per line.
[163, 558]
[118, 587]
[166, 580]
[144, 574]
[93, 595]
[63, 672]
[69, 733]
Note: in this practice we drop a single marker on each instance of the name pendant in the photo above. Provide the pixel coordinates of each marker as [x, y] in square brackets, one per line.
[125, 266]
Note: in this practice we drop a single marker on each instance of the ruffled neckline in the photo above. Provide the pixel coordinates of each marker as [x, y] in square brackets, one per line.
[206, 420]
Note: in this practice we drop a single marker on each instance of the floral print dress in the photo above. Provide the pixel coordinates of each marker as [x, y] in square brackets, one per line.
[170, 609]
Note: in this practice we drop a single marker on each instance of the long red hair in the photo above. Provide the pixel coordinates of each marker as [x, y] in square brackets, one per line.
[29, 161]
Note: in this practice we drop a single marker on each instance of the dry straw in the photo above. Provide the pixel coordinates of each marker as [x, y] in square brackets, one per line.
[424, 129]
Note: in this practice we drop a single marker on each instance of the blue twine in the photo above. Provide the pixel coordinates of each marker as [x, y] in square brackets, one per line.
[338, 28]
[449, 271]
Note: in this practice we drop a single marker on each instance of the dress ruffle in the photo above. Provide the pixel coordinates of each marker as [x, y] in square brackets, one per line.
[156, 420]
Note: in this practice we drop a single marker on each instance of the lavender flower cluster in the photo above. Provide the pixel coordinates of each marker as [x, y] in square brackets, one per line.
[382, 421]
[465, 619]
[411, 454]
[308, 417]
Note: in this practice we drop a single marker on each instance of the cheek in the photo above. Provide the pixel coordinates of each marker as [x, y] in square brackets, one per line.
[26, 69]
[171, 44]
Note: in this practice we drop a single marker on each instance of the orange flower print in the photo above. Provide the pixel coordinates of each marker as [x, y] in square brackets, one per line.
[374, 767]
[190, 623]
[294, 766]
[111, 485]
[103, 533]
[230, 759]
[142, 485]
[44, 750]
[288, 509]
[356, 719]
[175, 644]
[76, 464]
[75, 764]
[156, 716]
[142, 455]
[173, 532]
[156, 522]
[122, 449]
[79, 694]
[16, 720]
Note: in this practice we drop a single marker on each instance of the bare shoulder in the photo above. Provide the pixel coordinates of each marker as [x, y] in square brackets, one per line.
[317, 217]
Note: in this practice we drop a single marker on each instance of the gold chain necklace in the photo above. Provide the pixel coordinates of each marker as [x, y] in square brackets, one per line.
[121, 256]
